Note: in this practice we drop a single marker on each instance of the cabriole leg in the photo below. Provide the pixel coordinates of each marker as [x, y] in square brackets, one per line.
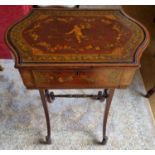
[45, 107]
[106, 112]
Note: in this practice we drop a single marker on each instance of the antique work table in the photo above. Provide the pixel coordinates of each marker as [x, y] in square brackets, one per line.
[77, 48]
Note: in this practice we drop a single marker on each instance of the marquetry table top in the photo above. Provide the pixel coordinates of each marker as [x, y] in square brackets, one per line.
[66, 35]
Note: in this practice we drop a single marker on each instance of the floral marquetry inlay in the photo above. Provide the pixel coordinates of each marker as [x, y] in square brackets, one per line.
[48, 35]
[61, 77]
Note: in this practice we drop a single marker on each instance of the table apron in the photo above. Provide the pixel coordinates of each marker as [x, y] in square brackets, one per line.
[105, 77]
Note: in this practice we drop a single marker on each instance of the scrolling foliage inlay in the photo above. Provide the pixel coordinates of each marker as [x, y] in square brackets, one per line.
[76, 36]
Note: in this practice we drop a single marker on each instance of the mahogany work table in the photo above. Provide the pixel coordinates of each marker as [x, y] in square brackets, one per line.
[77, 49]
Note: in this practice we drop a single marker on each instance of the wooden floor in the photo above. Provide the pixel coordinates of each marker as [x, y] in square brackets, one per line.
[146, 15]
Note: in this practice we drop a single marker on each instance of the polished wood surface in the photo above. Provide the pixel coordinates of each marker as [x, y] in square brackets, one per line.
[44, 38]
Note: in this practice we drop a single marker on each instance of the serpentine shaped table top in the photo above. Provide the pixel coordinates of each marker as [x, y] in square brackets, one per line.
[67, 35]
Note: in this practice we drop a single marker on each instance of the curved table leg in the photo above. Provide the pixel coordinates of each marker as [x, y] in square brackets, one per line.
[150, 92]
[106, 112]
[44, 102]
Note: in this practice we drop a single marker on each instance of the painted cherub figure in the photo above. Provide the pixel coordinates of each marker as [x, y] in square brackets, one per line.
[77, 30]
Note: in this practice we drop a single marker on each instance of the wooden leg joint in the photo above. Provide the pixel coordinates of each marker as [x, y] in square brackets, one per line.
[49, 96]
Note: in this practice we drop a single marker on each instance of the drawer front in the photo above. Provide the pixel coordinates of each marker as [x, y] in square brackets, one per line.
[92, 78]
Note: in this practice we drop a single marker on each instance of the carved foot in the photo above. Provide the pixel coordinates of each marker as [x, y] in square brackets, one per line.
[47, 141]
[104, 141]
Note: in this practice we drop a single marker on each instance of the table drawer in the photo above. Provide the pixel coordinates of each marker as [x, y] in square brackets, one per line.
[92, 78]
[105, 77]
